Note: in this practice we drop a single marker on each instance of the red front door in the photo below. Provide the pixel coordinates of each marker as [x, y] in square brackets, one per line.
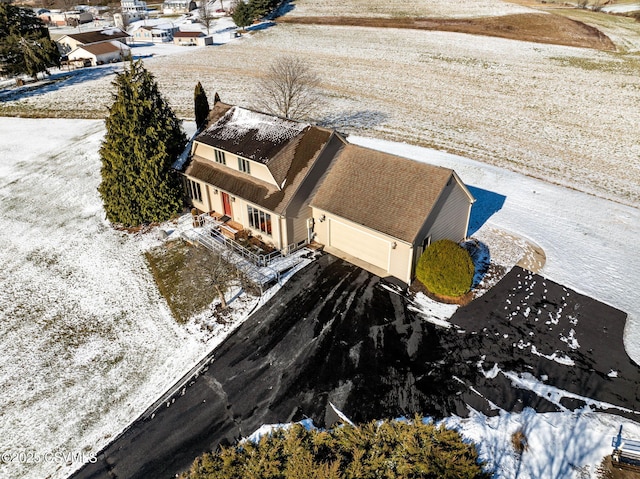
[226, 204]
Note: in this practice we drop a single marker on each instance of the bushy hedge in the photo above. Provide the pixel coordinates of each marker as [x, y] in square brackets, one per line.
[389, 449]
[446, 268]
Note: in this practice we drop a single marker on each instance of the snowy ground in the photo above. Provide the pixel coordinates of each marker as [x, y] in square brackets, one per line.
[78, 305]
[395, 8]
[87, 342]
[457, 92]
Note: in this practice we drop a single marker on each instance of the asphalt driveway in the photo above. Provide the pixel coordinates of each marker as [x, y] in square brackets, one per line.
[336, 333]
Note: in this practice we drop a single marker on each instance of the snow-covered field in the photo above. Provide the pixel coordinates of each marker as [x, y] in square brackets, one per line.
[88, 343]
[398, 8]
[566, 115]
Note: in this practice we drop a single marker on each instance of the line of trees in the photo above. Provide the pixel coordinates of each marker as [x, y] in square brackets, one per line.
[25, 45]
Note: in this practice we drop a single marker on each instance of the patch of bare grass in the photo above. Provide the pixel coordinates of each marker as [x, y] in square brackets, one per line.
[607, 470]
[536, 27]
[183, 278]
[519, 441]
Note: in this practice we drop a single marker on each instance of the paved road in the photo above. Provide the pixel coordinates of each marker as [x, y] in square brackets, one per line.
[336, 333]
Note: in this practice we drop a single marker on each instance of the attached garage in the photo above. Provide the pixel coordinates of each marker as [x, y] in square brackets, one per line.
[379, 210]
[359, 243]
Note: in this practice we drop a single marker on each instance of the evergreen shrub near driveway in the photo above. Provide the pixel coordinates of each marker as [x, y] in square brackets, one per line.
[446, 269]
[388, 449]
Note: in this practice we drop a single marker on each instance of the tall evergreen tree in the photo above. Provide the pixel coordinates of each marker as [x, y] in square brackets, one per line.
[143, 139]
[242, 14]
[201, 106]
[25, 46]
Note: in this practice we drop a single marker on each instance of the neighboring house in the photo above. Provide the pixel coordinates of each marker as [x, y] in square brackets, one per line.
[133, 6]
[70, 42]
[73, 18]
[290, 183]
[191, 39]
[100, 53]
[178, 6]
[155, 34]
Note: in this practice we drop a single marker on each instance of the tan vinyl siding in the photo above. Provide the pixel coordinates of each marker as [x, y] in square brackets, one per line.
[258, 170]
[297, 226]
[388, 256]
[201, 204]
[299, 211]
[241, 215]
[214, 198]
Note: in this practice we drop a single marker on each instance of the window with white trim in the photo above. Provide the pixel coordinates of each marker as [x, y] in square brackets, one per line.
[244, 166]
[259, 220]
[220, 157]
[193, 187]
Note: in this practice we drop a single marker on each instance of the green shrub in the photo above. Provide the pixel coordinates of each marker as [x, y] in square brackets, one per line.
[387, 449]
[445, 268]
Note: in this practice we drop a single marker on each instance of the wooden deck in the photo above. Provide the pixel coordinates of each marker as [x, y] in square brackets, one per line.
[231, 229]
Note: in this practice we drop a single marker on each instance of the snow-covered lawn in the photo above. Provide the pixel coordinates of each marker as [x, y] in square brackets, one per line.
[87, 341]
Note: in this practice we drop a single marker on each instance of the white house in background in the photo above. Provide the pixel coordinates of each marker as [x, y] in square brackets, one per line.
[191, 39]
[178, 6]
[290, 183]
[161, 33]
[100, 53]
[133, 6]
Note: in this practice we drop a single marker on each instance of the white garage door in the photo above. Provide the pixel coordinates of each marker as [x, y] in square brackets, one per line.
[359, 243]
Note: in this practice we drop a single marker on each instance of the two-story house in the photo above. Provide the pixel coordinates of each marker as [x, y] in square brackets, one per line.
[291, 183]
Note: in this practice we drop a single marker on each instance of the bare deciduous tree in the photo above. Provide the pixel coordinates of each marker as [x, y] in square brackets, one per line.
[223, 272]
[289, 89]
[206, 15]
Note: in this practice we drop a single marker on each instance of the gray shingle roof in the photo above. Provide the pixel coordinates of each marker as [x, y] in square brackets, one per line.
[94, 37]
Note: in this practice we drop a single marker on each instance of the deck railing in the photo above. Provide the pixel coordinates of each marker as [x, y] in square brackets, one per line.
[213, 229]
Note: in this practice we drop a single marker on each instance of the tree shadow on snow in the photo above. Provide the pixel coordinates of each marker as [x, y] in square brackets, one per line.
[260, 26]
[57, 81]
[359, 119]
[487, 204]
[481, 258]
[283, 9]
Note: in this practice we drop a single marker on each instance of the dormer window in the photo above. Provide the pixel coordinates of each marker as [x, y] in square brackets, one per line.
[244, 165]
[220, 157]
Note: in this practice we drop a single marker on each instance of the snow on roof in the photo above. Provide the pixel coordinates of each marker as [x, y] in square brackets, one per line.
[250, 134]
[266, 127]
